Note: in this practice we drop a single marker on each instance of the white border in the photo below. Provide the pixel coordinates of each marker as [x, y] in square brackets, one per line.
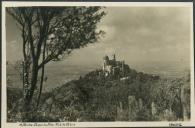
[113, 4]
[192, 72]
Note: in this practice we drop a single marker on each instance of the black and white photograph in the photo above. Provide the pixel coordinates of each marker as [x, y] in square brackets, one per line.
[98, 63]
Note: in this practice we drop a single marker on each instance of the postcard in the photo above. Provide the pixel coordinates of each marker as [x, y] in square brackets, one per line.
[97, 64]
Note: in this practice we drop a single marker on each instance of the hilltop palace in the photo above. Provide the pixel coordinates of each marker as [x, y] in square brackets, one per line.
[113, 67]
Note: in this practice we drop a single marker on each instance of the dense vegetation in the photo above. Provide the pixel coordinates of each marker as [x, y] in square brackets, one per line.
[98, 98]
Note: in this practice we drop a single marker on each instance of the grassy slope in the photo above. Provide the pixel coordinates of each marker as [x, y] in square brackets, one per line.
[94, 98]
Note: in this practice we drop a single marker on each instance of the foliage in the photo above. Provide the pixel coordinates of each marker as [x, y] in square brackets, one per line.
[96, 98]
[49, 33]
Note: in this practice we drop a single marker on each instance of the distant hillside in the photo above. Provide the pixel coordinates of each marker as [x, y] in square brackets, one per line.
[60, 74]
[96, 98]
[56, 76]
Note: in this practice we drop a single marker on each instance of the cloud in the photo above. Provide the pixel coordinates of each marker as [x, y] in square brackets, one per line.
[153, 31]
[13, 50]
[109, 51]
[133, 34]
[12, 42]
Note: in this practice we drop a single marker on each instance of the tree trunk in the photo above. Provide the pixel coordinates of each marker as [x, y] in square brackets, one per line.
[33, 82]
[41, 85]
[42, 76]
[28, 109]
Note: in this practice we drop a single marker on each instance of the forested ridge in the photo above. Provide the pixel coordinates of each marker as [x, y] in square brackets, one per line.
[93, 97]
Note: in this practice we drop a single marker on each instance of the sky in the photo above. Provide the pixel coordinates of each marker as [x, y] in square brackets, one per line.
[138, 35]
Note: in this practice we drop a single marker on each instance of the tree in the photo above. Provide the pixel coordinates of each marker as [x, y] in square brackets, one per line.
[48, 33]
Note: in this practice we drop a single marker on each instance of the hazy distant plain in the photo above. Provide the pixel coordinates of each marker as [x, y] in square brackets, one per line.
[59, 76]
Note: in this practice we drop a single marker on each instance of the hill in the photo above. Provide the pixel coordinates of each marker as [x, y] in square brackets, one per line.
[94, 97]
[139, 97]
